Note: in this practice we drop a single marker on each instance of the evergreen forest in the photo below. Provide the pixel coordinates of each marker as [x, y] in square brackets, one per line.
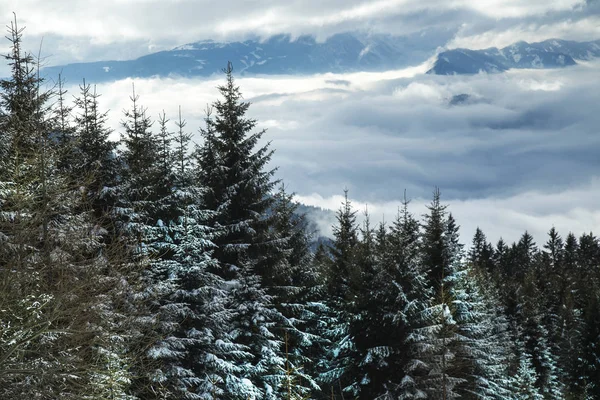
[153, 268]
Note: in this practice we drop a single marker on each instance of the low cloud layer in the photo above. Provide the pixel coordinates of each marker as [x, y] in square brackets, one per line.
[510, 151]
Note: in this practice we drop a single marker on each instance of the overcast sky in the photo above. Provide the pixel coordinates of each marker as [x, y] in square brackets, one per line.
[523, 153]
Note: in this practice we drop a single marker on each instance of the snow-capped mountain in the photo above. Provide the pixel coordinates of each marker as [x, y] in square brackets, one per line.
[551, 53]
[346, 52]
[277, 55]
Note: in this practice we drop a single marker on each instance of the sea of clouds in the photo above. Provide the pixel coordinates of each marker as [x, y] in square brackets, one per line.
[509, 152]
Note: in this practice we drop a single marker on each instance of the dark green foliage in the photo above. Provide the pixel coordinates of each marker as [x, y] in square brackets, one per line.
[436, 255]
[342, 279]
[250, 249]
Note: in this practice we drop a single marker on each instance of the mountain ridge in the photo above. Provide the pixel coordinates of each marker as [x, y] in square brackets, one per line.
[340, 53]
[551, 53]
[279, 54]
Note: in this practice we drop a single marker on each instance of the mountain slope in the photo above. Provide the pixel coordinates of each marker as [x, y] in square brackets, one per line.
[551, 53]
[277, 55]
[346, 52]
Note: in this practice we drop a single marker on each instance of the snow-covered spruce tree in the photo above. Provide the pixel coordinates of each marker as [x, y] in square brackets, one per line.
[143, 192]
[572, 321]
[561, 315]
[100, 286]
[551, 281]
[527, 310]
[28, 302]
[342, 280]
[479, 358]
[411, 300]
[436, 341]
[296, 288]
[325, 319]
[391, 281]
[483, 351]
[522, 386]
[93, 155]
[238, 187]
[166, 237]
[590, 361]
[137, 189]
[92, 172]
[588, 259]
[536, 339]
[365, 327]
[395, 294]
[434, 345]
[194, 353]
[571, 317]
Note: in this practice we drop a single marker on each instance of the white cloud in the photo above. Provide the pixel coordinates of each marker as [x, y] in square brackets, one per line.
[269, 91]
[422, 92]
[548, 86]
[517, 8]
[584, 29]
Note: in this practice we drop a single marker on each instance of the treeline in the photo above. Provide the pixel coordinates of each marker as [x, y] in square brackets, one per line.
[149, 268]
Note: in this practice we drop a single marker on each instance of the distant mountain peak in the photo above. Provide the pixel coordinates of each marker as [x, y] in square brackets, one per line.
[340, 53]
[278, 54]
[551, 53]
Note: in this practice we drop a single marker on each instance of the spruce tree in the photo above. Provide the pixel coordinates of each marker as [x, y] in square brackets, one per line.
[368, 368]
[342, 278]
[523, 385]
[294, 284]
[238, 188]
[65, 130]
[572, 324]
[436, 342]
[92, 155]
[402, 295]
[589, 364]
[436, 254]
[482, 354]
[481, 253]
[135, 211]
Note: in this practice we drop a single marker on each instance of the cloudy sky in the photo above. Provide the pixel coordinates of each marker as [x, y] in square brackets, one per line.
[522, 153]
[120, 29]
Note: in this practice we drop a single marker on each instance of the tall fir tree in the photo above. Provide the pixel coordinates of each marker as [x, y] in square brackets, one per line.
[137, 189]
[238, 188]
[436, 342]
[342, 277]
[92, 155]
[402, 294]
[294, 284]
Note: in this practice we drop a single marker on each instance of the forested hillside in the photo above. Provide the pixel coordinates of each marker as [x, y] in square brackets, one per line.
[151, 268]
